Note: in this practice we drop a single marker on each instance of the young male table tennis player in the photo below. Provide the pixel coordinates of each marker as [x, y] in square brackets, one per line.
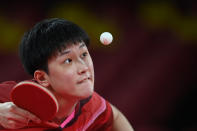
[55, 53]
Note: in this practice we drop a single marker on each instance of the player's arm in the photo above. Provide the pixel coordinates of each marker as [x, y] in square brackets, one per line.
[13, 117]
[120, 123]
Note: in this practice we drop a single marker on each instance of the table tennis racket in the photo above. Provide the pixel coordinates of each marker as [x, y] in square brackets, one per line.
[35, 99]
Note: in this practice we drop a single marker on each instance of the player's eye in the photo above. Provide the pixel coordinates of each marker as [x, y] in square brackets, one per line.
[84, 54]
[67, 61]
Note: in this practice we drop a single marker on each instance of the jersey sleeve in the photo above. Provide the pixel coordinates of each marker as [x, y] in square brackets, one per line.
[104, 121]
[101, 117]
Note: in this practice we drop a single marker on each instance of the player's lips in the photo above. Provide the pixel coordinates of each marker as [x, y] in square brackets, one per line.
[83, 80]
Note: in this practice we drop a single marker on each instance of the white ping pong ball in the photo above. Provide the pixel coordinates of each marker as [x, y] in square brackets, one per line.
[106, 38]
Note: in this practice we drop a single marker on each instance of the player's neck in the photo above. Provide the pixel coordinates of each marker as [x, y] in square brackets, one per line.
[66, 107]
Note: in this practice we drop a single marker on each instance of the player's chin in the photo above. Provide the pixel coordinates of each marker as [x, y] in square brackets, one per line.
[86, 91]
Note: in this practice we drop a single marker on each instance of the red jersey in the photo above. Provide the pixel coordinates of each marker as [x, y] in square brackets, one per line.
[91, 114]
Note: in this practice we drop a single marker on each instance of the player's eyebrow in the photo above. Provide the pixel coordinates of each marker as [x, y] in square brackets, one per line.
[64, 52]
[68, 51]
[82, 45]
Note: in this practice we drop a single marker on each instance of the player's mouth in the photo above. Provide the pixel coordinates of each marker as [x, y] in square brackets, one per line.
[83, 80]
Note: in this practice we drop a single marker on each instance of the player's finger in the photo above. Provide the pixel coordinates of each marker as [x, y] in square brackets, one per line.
[12, 124]
[26, 114]
[18, 118]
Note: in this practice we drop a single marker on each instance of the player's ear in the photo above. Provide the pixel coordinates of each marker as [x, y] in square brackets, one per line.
[41, 77]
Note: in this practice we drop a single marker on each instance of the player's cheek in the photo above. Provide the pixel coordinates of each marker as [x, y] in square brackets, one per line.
[90, 62]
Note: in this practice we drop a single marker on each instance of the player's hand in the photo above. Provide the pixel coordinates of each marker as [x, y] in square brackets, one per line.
[13, 117]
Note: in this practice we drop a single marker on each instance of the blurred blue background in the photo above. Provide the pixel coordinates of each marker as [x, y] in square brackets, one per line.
[148, 71]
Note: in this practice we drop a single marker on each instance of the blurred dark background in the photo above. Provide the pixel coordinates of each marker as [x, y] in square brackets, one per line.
[148, 71]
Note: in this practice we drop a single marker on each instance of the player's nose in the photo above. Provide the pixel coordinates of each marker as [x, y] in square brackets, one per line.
[82, 67]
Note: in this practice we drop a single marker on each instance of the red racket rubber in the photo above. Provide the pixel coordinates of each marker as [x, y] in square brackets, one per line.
[35, 99]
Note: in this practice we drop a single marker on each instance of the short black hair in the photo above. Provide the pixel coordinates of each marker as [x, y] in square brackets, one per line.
[45, 38]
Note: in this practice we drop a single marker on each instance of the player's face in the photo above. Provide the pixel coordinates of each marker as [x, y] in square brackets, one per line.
[71, 72]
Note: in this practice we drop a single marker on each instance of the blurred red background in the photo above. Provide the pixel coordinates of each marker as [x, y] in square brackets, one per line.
[148, 71]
